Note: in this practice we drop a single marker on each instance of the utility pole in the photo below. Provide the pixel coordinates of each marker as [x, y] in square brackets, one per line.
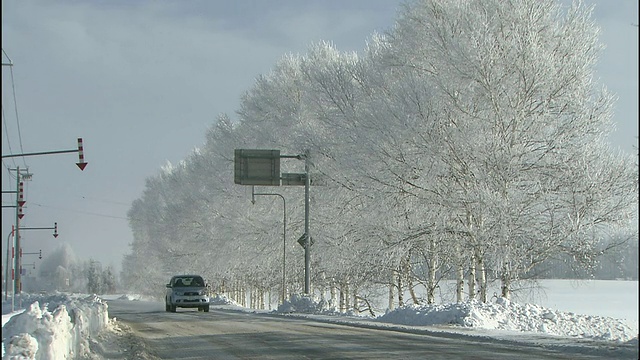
[17, 286]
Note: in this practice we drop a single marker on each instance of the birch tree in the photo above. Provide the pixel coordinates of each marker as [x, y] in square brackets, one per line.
[516, 95]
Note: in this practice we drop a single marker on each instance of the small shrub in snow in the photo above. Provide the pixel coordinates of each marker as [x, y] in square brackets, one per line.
[300, 303]
[221, 300]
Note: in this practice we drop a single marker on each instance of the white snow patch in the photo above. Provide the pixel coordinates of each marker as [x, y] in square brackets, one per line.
[508, 315]
[54, 327]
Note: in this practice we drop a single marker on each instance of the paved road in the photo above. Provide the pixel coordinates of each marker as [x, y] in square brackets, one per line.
[227, 334]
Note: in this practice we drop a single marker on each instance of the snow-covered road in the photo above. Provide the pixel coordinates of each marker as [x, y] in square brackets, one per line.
[230, 333]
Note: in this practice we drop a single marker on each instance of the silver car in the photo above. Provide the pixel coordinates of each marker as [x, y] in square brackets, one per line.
[186, 291]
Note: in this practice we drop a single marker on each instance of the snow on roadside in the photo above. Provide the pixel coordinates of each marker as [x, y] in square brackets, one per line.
[77, 326]
[222, 300]
[54, 327]
[501, 315]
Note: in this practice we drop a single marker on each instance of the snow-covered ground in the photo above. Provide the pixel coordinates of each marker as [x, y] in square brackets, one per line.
[50, 327]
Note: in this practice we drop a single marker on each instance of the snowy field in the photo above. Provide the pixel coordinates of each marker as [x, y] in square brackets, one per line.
[616, 299]
[59, 326]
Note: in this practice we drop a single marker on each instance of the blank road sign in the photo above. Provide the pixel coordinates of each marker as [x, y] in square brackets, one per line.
[256, 167]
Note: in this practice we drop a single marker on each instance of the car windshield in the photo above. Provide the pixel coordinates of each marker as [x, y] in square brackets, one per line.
[188, 282]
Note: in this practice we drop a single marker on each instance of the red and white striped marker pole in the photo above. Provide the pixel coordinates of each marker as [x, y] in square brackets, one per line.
[20, 199]
[81, 163]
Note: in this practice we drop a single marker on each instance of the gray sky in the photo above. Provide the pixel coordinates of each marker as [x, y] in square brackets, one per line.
[142, 81]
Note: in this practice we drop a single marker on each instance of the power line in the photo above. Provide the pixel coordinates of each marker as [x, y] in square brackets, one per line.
[104, 200]
[80, 212]
[15, 105]
[6, 133]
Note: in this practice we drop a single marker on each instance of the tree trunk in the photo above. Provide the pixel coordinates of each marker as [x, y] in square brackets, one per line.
[236, 292]
[505, 286]
[356, 310]
[472, 278]
[391, 295]
[323, 293]
[406, 270]
[400, 290]
[481, 276]
[412, 292]
[333, 302]
[431, 280]
[262, 304]
[459, 283]
[347, 297]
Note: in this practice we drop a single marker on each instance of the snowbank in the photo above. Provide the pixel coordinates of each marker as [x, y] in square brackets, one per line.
[501, 315]
[63, 326]
[221, 300]
[54, 327]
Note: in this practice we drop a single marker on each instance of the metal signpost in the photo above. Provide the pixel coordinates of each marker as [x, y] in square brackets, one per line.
[262, 167]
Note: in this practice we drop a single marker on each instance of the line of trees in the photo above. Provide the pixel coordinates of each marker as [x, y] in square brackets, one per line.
[467, 142]
[62, 271]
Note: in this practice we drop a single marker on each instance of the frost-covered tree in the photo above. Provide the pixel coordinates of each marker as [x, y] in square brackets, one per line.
[109, 280]
[467, 141]
[513, 88]
[95, 283]
[59, 270]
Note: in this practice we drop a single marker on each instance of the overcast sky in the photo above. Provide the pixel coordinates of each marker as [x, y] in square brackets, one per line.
[142, 81]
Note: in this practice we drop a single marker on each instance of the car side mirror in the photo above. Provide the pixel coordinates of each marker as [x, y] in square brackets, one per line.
[169, 286]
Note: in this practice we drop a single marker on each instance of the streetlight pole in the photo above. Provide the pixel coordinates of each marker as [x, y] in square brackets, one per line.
[284, 234]
[307, 247]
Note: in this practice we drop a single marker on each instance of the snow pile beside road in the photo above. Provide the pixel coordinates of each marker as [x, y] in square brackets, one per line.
[501, 315]
[303, 304]
[507, 315]
[221, 300]
[54, 327]
[67, 326]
